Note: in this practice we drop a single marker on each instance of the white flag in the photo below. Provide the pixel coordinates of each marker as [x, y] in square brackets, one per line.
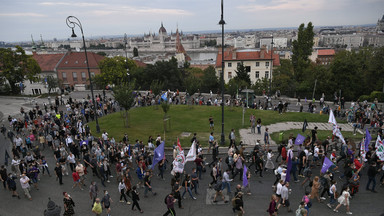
[332, 118]
[191, 156]
[178, 163]
[378, 142]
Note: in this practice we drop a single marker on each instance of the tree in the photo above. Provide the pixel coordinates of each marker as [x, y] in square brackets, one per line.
[16, 66]
[156, 87]
[302, 49]
[114, 71]
[123, 94]
[101, 53]
[135, 52]
[52, 83]
[192, 84]
[234, 86]
[242, 74]
[283, 79]
[209, 81]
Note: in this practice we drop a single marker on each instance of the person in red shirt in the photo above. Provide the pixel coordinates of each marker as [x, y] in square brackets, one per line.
[76, 179]
[357, 163]
[284, 154]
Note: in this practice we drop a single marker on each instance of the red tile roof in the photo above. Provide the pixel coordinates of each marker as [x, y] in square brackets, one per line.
[77, 60]
[247, 56]
[140, 63]
[47, 62]
[326, 52]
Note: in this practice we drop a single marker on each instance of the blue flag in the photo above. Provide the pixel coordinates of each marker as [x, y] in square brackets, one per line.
[84, 142]
[326, 164]
[289, 167]
[299, 139]
[129, 150]
[368, 139]
[164, 96]
[158, 154]
[245, 179]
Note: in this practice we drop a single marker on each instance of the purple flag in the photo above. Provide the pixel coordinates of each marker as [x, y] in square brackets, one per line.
[289, 167]
[299, 139]
[368, 139]
[245, 179]
[84, 142]
[158, 154]
[326, 164]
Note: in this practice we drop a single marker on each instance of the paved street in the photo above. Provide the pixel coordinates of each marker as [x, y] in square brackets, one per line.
[365, 202]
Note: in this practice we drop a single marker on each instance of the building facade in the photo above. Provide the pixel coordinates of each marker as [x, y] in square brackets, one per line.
[259, 64]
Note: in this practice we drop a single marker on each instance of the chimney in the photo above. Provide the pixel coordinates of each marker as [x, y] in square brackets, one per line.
[262, 52]
[233, 54]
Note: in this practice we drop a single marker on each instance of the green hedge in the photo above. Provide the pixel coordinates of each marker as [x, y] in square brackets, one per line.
[375, 94]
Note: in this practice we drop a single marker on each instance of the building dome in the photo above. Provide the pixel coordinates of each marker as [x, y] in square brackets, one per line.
[162, 29]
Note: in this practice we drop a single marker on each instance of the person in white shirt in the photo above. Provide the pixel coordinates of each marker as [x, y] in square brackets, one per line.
[15, 165]
[71, 160]
[122, 189]
[226, 181]
[105, 136]
[24, 181]
[68, 140]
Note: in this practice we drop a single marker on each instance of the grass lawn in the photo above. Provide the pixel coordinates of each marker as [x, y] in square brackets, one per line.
[145, 121]
[322, 135]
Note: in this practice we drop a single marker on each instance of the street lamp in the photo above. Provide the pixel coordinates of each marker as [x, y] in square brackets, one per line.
[270, 76]
[222, 23]
[126, 55]
[72, 22]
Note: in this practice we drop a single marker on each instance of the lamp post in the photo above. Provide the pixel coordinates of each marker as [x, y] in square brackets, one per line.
[126, 55]
[72, 22]
[270, 75]
[222, 23]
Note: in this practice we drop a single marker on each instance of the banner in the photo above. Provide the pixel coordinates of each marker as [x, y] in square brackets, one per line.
[178, 162]
[84, 142]
[368, 139]
[378, 142]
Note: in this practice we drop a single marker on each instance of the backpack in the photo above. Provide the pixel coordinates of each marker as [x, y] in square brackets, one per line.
[234, 201]
[229, 136]
[165, 199]
[307, 171]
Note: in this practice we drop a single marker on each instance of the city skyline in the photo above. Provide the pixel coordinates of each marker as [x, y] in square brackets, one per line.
[19, 19]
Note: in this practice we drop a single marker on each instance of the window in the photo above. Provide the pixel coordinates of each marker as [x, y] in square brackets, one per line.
[248, 69]
[83, 77]
[64, 76]
[257, 75]
[229, 64]
[257, 64]
[92, 74]
[229, 75]
[266, 64]
[74, 75]
[266, 74]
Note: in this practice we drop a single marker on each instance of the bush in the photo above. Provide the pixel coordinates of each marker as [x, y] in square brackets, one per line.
[364, 97]
[377, 94]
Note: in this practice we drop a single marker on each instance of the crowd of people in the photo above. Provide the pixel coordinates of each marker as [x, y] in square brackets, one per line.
[61, 130]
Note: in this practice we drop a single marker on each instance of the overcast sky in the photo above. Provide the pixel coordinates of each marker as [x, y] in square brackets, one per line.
[21, 18]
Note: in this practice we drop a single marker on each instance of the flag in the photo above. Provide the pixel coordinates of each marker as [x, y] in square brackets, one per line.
[84, 142]
[378, 142]
[178, 162]
[338, 134]
[326, 164]
[368, 139]
[299, 139]
[129, 150]
[158, 154]
[332, 118]
[305, 124]
[380, 151]
[363, 150]
[289, 167]
[164, 96]
[191, 156]
[245, 179]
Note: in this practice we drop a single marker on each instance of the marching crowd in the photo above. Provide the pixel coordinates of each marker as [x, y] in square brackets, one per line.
[77, 153]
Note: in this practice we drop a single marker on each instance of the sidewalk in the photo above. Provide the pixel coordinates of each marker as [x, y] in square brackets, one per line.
[250, 139]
